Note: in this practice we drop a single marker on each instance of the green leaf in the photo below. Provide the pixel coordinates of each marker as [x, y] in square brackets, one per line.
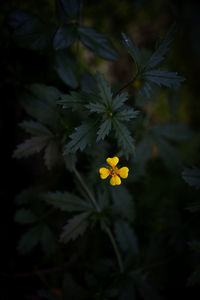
[66, 68]
[35, 128]
[104, 129]
[142, 155]
[126, 114]
[30, 239]
[174, 131]
[74, 100]
[25, 216]
[83, 136]
[31, 146]
[169, 154]
[104, 90]
[126, 238]
[124, 138]
[69, 7]
[96, 107]
[31, 33]
[52, 155]
[39, 101]
[161, 49]
[133, 50]
[64, 37]
[67, 202]
[97, 42]
[48, 240]
[194, 277]
[119, 100]
[192, 176]
[75, 227]
[146, 291]
[163, 77]
[123, 203]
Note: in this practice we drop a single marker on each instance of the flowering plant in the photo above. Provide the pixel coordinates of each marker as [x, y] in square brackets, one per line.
[77, 120]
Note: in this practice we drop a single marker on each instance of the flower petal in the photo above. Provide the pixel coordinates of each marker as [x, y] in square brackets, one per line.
[123, 172]
[112, 161]
[104, 173]
[115, 180]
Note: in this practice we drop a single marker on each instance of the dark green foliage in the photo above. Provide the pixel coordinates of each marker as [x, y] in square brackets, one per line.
[192, 176]
[161, 49]
[25, 216]
[66, 68]
[64, 37]
[75, 227]
[123, 203]
[123, 242]
[97, 42]
[30, 32]
[163, 77]
[133, 50]
[83, 136]
[67, 202]
[126, 239]
[124, 138]
[70, 8]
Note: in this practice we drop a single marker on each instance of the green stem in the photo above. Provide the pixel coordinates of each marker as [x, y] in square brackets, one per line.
[119, 259]
[107, 229]
[126, 85]
[86, 189]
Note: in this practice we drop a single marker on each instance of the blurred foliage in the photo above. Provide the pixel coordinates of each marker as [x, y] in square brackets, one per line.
[87, 80]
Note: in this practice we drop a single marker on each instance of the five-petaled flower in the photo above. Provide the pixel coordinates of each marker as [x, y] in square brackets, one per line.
[113, 171]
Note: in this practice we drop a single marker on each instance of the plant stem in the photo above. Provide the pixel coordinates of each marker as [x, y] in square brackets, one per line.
[107, 229]
[126, 85]
[86, 189]
[119, 260]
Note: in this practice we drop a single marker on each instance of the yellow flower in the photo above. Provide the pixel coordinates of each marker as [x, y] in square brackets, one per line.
[113, 171]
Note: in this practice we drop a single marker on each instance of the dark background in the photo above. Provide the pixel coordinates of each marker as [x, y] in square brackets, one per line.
[146, 20]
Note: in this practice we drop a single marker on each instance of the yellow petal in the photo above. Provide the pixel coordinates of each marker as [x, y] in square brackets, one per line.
[112, 161]
[104, 173]
[123, 172]
[115, 180]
